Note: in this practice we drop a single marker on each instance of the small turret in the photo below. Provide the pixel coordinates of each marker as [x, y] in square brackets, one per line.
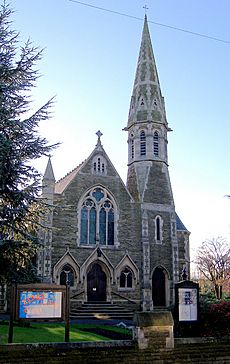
[48, 183]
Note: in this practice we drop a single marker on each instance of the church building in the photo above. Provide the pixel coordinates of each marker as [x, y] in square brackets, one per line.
[119, 243]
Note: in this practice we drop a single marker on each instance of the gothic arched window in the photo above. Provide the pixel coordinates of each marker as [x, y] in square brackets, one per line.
[156, 144]
[142, 143]
[67, 272]
[97, 218]
[158, 229]
[126, 278]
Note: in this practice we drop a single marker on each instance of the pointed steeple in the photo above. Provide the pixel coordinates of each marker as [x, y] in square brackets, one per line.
[49, 174]
[48, 183]
[147, 103]
[147, 128]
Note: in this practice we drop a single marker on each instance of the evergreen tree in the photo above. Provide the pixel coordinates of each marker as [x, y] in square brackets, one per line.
[20, 144]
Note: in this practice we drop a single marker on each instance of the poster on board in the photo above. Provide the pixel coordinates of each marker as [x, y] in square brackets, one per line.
[40, 305]
[187, 304]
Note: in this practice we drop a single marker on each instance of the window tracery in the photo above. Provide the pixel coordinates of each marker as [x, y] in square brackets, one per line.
[67, 273]
[126, 278]
[97, 218]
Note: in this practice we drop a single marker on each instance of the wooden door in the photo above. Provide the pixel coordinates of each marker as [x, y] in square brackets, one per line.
[158, 287]
[96, 284]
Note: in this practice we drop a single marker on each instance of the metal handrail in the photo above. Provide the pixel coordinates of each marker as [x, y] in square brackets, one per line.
[125, 298]
[77, 294]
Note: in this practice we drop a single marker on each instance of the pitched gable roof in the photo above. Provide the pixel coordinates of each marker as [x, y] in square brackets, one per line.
[179, 224]
[61, 185]
[64, 182]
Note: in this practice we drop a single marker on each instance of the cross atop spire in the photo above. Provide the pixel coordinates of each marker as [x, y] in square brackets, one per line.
[146, 8]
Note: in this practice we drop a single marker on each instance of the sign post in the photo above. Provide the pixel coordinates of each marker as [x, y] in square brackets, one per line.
[40, 302]
[67, 307]
[12, 312]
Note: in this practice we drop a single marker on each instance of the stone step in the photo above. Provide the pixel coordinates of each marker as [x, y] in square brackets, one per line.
[101, 311]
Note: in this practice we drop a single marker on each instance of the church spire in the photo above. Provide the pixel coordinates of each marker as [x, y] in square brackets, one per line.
[147, 124]
[147, 103]
[147, 127]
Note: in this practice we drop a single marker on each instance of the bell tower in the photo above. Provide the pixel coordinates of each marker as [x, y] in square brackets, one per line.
[148, 178]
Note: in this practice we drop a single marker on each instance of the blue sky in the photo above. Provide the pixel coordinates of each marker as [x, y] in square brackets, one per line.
[89, 63]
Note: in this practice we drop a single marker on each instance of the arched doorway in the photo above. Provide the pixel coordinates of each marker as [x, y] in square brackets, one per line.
[96, 284]
[158, 287]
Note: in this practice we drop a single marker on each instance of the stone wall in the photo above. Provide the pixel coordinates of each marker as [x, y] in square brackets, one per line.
[126, 352]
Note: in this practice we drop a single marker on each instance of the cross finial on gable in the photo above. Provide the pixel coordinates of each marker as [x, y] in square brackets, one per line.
[99, 134]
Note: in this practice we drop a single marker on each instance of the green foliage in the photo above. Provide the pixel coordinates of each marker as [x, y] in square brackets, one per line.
[214, 317]
[20, 144]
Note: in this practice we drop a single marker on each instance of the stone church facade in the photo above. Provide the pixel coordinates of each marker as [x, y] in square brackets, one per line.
[119, 243]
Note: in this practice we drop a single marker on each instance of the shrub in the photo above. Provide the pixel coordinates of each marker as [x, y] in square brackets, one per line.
[214, 319]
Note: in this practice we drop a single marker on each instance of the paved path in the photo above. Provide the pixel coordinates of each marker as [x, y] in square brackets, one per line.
[5, 317]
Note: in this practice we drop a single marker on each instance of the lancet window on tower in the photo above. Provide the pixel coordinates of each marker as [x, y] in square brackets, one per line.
[97, 218]
[142, 143]
[158, 229]
[132, 148]
[156, 144]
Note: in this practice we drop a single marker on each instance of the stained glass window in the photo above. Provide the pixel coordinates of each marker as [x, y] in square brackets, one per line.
[97, 218]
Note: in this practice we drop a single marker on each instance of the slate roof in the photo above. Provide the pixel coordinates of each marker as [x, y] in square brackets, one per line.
[147, 103]
[64, 182]
[179, 224]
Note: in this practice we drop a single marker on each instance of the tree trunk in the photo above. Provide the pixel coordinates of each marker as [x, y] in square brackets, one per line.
[218, 291]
